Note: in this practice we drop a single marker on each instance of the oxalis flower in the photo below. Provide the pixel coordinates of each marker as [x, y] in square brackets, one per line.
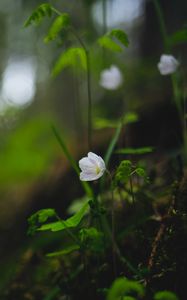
[167, 64]
[92, 167]
[111, 78]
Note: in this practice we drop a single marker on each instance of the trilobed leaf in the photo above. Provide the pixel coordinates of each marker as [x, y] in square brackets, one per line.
[108, 43]
[120, 35]
[39, 218]
[123, 172]
[69, 223]
[122, 287]
[73, 57]
[165, 295]
[61, 22]
[43, 10]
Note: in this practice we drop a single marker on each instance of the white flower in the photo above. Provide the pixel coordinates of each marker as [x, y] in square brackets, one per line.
[111, 78]
[92, 167]
[168, 64]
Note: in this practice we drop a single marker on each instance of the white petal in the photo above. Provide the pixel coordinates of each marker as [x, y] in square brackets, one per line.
[111, 78]
[85, 164]
[89, 177]
[168, 64]
[92, 156]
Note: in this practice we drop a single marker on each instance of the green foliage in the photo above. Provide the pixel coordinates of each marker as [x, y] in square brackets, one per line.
[124, 287]
[61, 22]
[135, 151]
[165, 295]
[68, 223]
[123, 172]
[91, 239]
[72, 57]
[130, 117]
[65, 251]
[120, 35]
[177, 37]
[38, 218]
[43, 10]
[109, 42]
[101, 123]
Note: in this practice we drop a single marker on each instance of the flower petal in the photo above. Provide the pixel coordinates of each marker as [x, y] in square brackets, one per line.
[85, 164]
[89, 176]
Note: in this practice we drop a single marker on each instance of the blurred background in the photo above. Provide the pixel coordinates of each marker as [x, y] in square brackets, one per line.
[34, 173]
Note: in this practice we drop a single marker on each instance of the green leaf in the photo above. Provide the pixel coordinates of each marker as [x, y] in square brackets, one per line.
[100, 123]
[108, 43]
[123, 172]
[120, 35]
[130, 117]
[38, 218]
[72, 57]
[165, 295]
[141, 172]
[69, 157]
[135, 151]
[108, 40]
[43, 10]
[124, 287]
[69, 223]
[65, 251]
[91, 239]
[61, 22]
[177, 37]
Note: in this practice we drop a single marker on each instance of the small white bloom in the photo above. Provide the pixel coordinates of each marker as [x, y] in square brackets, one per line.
[168, 64]
[111, 78]
[92, 167]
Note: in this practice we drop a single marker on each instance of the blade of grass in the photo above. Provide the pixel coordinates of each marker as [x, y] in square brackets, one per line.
[112, 144]
[71, 160]
[110, 150]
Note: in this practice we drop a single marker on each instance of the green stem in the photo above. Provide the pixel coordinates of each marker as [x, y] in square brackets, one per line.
[104, 11]
[113, 226]
[89, 101]
[161, 24]
[176, 93]
[88, 81]
[121, 257]
[131, 187]
[88, 86]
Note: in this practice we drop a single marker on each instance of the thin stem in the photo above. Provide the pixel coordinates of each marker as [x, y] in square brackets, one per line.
[104, 11]
[89, 101]
[175, 86]
[131, 187]
[88, 86]
[123, 259]
[113, 226]
[161, 24]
